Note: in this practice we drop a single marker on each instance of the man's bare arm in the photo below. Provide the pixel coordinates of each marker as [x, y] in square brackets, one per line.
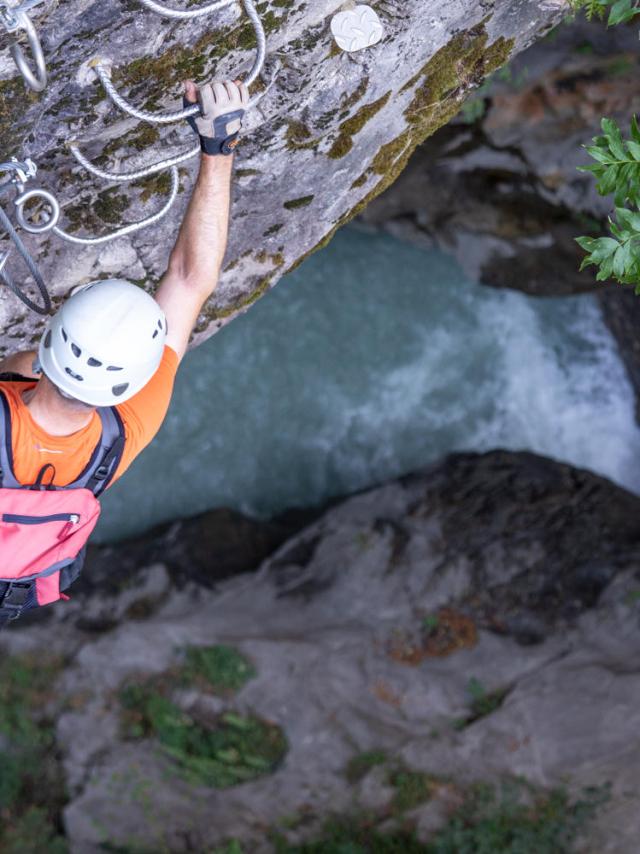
[196, 259]
[194, 264]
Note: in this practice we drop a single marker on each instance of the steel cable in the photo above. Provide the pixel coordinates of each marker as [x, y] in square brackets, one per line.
[143, 172]
[102, 70]
[127, 229]
[186, 13]
[26, 257]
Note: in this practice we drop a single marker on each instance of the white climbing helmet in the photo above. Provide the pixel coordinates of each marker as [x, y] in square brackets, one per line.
[104, 343]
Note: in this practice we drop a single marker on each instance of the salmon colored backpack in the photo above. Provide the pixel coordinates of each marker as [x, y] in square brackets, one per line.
[44, 529]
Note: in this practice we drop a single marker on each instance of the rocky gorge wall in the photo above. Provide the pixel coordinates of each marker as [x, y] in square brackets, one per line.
[467, 625]
[331, 133]
[499, 186]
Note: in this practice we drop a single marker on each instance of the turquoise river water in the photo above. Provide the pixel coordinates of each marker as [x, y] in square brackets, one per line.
[373, 359]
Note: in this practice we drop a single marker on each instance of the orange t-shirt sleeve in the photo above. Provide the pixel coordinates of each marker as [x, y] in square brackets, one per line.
[144, 413]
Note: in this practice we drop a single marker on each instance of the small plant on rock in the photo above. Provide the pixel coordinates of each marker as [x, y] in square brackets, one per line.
[482, 703]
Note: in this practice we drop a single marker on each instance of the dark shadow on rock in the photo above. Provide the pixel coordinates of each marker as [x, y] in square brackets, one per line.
[542, 539]
[204, 549]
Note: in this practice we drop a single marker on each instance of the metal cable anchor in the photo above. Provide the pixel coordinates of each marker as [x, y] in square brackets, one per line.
[15, 18]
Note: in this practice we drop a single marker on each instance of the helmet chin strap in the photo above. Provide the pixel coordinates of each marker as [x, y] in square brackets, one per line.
[36, 367]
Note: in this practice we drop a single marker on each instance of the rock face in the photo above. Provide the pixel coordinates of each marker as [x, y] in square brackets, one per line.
[331, 133]
[505, 578]
[499, 185]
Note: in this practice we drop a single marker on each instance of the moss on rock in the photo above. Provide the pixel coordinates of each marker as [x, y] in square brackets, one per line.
[302, 202]
[441, 86]
[352, 126]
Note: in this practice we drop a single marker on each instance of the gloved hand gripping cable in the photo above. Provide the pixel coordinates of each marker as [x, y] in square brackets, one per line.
[222, 108]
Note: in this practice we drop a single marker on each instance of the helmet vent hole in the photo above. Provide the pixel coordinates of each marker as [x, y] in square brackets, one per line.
[74, 375]
[93, 363]
[114, 368]
[47, 339]
[160, 325]
[117, 390]
[64, 334]
[155, 332]
[76, 350]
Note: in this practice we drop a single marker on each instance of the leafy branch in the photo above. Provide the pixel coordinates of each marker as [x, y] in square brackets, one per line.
[617, 170]
[620, 11]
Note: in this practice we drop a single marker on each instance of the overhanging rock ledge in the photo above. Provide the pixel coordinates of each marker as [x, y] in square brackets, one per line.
[332, 132]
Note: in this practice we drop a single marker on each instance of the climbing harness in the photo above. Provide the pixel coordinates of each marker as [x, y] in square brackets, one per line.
[20, 172]
[14, 18]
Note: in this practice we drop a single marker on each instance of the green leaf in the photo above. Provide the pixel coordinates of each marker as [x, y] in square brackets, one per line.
[634, 149]
[614, 137]
[635, 130]
[629, 218]
[621, 259]
[587, 243]
[604, 248]
[617, 232]
[620, 13]
[600, 154]
[609, 180]
[606, 269]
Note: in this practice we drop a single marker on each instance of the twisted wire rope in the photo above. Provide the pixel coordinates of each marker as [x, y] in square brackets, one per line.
[126, 229]
[7, 225]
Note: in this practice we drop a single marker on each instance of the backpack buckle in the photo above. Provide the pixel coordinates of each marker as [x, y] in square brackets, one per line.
[101, 472]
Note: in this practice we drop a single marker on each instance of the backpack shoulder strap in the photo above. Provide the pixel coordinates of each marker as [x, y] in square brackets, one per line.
[106, 456]
[7, 477]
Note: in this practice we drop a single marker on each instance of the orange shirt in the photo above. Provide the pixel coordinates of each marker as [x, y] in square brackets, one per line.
[142, 416]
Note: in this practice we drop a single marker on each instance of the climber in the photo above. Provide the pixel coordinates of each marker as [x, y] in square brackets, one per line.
[79, 411]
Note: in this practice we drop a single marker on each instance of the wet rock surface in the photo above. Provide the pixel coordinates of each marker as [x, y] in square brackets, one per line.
[505, 577]
[331, 133]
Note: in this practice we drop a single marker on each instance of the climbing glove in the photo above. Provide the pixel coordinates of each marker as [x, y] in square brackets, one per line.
[222, 106]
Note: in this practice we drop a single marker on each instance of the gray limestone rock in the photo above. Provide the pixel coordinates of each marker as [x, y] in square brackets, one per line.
[339, 625]
[499, 186]
[332, 132]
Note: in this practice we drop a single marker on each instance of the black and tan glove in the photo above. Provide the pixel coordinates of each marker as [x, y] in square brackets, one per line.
[222, 107]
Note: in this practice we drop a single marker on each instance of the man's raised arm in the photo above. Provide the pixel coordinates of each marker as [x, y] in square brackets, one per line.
[196, 259]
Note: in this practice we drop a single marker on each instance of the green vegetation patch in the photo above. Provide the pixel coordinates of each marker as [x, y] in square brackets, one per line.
[349, 836]
[360, 765]
[207, 749]
[154, 185]
[110, 205]
[352, 126]
[513, 819]
[222, 667]
[619, 11]
[31, 783]
[517, 820]
[302, 202]
[412, 788]
[482, 703]
[219, 753]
